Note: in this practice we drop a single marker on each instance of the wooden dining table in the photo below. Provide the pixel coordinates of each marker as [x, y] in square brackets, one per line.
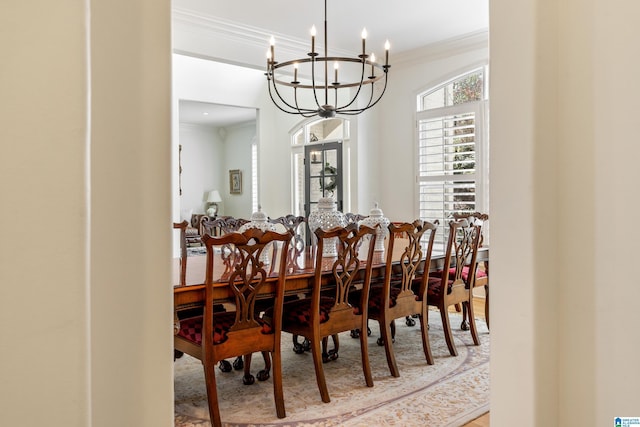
[299, 278]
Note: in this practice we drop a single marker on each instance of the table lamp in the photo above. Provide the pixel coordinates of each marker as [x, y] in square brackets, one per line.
[213, 198]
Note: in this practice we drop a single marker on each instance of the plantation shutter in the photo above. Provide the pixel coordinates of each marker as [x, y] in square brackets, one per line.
[448, 139]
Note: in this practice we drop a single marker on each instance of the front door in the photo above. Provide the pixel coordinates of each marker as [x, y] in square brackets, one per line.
[323, 174]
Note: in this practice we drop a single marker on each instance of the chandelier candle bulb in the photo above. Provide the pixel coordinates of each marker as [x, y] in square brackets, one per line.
[387, 46]
[272, 42]
[373, 59]
[313, 39]
[295, 72]
[335, 67]
[364, 39]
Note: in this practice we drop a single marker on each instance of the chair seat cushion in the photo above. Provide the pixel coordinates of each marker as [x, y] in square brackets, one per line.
[435, 286]
[191, 232]
[465, 273]
[191, 328]
[375, 299]
[298, 312]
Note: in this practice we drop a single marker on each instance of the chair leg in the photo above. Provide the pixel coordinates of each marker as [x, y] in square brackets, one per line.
[316, 351]
[212, 394]
[225, 366]
[278, 393]
[300, 348]
[426, 345]
[264, 374]
[247, 378]
[448, 335]
[366, 366]
[464, 325]
[392, 326]
[238, 363]
[486, 304]
[472, 323]
[385, 330]
[329, 355]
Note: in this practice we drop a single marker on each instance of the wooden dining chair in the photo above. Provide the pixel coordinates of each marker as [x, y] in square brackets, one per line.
[216, 335]
[327, 311]
[482, 272]
[448, 287]
[182, 226]
[398, 296]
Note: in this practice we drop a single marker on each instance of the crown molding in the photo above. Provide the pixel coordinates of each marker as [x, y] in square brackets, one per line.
[216, 28]
[444, 49]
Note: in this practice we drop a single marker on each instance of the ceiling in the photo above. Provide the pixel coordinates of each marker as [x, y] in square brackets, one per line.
[214, 115]
[407, 24]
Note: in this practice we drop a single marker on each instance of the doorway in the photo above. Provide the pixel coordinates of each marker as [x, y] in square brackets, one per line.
[323, 174]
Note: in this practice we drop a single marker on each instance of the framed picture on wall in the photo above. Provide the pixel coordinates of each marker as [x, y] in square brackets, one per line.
[235, 181]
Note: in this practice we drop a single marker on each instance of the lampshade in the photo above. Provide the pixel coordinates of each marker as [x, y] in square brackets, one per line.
[214, 197]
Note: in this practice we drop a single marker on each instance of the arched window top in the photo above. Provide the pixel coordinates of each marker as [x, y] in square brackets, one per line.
[321, 130]
[468, 87]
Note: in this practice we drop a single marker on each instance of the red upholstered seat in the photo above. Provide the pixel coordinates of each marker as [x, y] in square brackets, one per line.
[465, 273]
[375, 299]
[191, 328]
[299, 311]
[434, 287]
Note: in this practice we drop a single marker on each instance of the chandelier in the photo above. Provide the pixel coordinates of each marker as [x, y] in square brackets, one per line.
[320, 96]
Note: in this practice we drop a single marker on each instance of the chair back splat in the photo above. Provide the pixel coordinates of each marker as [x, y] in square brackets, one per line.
[218, 335]
[296, 248]
[328, 311]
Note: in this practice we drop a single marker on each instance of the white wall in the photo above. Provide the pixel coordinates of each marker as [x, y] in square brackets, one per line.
[208, 81]
[238, 156]
[202, 166]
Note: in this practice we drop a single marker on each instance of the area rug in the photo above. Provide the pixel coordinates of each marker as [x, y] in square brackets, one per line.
[449, 393]
[196, 251]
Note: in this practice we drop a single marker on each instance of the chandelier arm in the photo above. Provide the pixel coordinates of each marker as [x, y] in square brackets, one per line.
[358, 91]
[313, 80]
[272, 78]
[302, 111]
[306, 110]
[353, 112]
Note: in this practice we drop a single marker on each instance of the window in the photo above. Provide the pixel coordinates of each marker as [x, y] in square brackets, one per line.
[254, 177]
[452, 149]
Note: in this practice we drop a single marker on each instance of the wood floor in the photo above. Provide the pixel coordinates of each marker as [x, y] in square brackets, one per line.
[483, 421]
